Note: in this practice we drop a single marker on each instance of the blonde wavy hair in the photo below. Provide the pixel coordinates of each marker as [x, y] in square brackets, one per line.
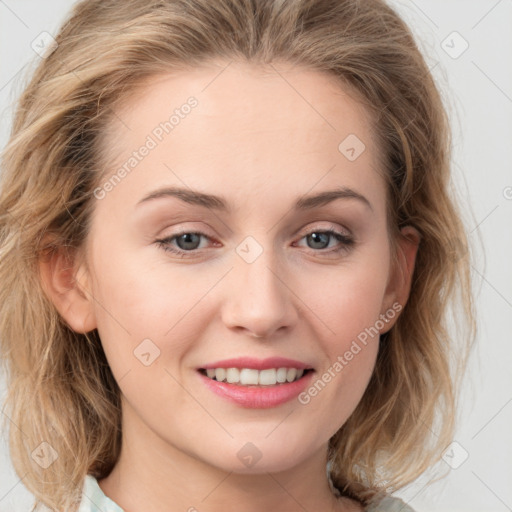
[60, 387]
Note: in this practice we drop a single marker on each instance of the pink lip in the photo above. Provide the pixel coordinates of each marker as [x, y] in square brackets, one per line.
[258, 397]
[257, 364]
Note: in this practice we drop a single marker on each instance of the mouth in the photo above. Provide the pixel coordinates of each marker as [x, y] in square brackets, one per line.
[256, 383]
[251, 377]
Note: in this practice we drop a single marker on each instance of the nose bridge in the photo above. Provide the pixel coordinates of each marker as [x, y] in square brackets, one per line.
[258, 299]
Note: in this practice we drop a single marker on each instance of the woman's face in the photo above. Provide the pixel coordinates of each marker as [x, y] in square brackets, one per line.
[208, 243]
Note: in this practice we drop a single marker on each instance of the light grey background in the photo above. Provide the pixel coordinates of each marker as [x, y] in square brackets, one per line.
[477, 87]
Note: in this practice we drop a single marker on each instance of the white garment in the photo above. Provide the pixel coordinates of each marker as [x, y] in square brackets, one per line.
[94, 500]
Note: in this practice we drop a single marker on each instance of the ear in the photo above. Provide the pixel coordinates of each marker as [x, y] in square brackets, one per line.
[399, 283]
[66, 285]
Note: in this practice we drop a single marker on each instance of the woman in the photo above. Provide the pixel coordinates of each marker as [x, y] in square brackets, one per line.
[227, 260]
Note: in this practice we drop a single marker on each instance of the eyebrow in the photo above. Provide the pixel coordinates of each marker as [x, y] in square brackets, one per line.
[219, 203]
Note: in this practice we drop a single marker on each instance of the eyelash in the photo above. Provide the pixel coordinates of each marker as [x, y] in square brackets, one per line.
[346, 242]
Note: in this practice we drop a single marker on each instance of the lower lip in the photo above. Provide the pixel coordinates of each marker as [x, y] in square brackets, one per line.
[258, 397]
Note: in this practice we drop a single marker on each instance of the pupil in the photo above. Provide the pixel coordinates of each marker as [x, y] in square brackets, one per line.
[317, 238]
[186, 239]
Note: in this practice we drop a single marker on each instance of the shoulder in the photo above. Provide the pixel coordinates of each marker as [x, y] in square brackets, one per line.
[389, 504]
[94, 499]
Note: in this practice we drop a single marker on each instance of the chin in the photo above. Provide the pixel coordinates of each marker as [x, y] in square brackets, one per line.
[260, 456]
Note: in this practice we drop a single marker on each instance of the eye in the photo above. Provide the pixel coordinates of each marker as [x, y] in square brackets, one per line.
[186, 242]
[320, 238]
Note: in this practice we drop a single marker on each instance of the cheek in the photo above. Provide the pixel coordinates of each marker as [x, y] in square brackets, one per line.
[139, 298]
[134, 303]
[349, 303]
[144, 294]
[350, 311]
[353, 346]
[347, 312]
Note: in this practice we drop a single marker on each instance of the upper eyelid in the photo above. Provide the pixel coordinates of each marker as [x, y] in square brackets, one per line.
[305, 231]
[301, 234]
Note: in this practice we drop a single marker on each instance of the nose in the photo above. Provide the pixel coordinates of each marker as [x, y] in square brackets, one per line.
[259, 299]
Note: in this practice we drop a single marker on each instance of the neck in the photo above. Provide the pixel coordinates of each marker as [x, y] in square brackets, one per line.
[151, 474]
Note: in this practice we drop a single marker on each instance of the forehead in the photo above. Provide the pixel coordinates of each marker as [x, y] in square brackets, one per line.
[250, 96]
[251, 125]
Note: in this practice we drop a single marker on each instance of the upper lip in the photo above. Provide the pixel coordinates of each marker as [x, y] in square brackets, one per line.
[258, 364]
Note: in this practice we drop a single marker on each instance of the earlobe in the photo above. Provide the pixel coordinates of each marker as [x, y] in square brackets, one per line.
[399, 285]
[66, 287]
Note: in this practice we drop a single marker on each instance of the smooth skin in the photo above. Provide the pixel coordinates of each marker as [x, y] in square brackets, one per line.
[260, 138]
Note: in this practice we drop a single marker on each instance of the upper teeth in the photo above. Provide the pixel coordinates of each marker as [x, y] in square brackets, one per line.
[247, 376]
